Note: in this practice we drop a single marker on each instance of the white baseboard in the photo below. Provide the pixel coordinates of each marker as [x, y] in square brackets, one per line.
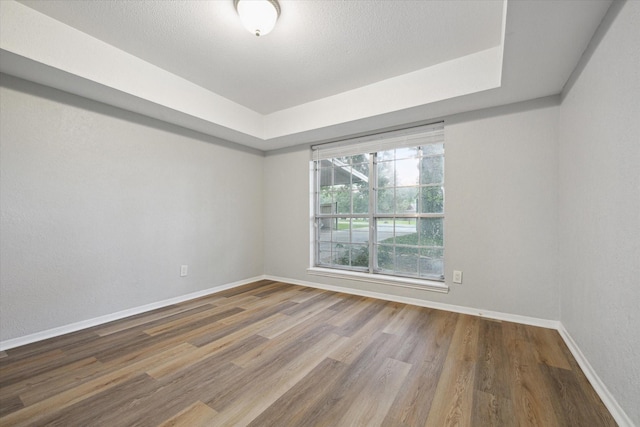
[496, 315]
[607, 398]
[73, 327]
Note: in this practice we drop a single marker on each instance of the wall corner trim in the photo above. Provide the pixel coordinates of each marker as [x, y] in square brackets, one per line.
[598, 385]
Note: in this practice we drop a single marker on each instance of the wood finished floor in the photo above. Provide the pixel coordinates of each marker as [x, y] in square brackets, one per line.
[274, 354]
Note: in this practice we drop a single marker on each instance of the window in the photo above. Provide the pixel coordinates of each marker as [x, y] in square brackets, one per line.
[379, 204]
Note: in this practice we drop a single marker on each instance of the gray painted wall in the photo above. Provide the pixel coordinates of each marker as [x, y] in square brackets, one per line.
[100, 207]
[599, 209]
[501, 212]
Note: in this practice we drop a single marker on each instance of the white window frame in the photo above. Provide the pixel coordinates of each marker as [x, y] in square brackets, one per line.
[411, 137]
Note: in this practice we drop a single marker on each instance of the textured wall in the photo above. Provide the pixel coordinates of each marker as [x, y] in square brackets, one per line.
[599, 209]
[501, 189]
[100, 207]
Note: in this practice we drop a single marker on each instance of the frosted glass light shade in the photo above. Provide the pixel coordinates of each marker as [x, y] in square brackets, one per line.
[258, 16]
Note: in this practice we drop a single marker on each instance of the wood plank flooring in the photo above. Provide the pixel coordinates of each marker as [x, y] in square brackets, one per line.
[275, 354]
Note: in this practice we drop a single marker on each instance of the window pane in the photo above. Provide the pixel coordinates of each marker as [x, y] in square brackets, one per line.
[406, 199]
[361, 201]
[386, 200]
[359, 158]
[407, 172]
[431, 252]
[386, 155]
[341, 161]
[386, 258]
[326, 180]
[384, 230]
[324, 256]
[432, 170]
[405, 231]
[343, 200]
[359, 230]
[431, 231]
[326, 177]
[341, 254]
[326, 202]
[431, 262]
[407, 260]
[405, 153]
[325, 228]
[385, 174]
[343, 232]
[431, 200]
[342, 176]
[431, 267]
[431, 149]
[351, 255]
[360, 175]
[360, 255]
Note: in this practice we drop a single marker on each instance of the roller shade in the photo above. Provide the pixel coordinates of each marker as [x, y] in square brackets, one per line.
[412, 137]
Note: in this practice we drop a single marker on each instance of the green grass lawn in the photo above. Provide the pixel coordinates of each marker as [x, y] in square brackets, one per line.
[344, 224]
[412, 239]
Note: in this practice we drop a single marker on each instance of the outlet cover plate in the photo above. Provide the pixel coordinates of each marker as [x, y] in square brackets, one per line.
[457, 276]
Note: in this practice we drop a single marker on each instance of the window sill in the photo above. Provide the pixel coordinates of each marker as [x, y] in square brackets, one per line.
[422, 284]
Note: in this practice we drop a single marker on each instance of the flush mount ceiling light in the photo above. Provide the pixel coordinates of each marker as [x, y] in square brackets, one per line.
[258, 16]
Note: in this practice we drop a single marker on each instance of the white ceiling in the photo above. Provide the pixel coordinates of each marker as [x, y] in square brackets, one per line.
[328, 70]
[318, 49]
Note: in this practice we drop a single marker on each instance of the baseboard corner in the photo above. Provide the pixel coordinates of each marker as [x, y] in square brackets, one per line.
[598, 385]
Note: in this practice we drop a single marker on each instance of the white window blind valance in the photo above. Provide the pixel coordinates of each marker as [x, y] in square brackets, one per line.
[411, 137]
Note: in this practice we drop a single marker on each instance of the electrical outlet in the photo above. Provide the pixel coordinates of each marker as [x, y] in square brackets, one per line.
[457, 276]
[184, 270]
